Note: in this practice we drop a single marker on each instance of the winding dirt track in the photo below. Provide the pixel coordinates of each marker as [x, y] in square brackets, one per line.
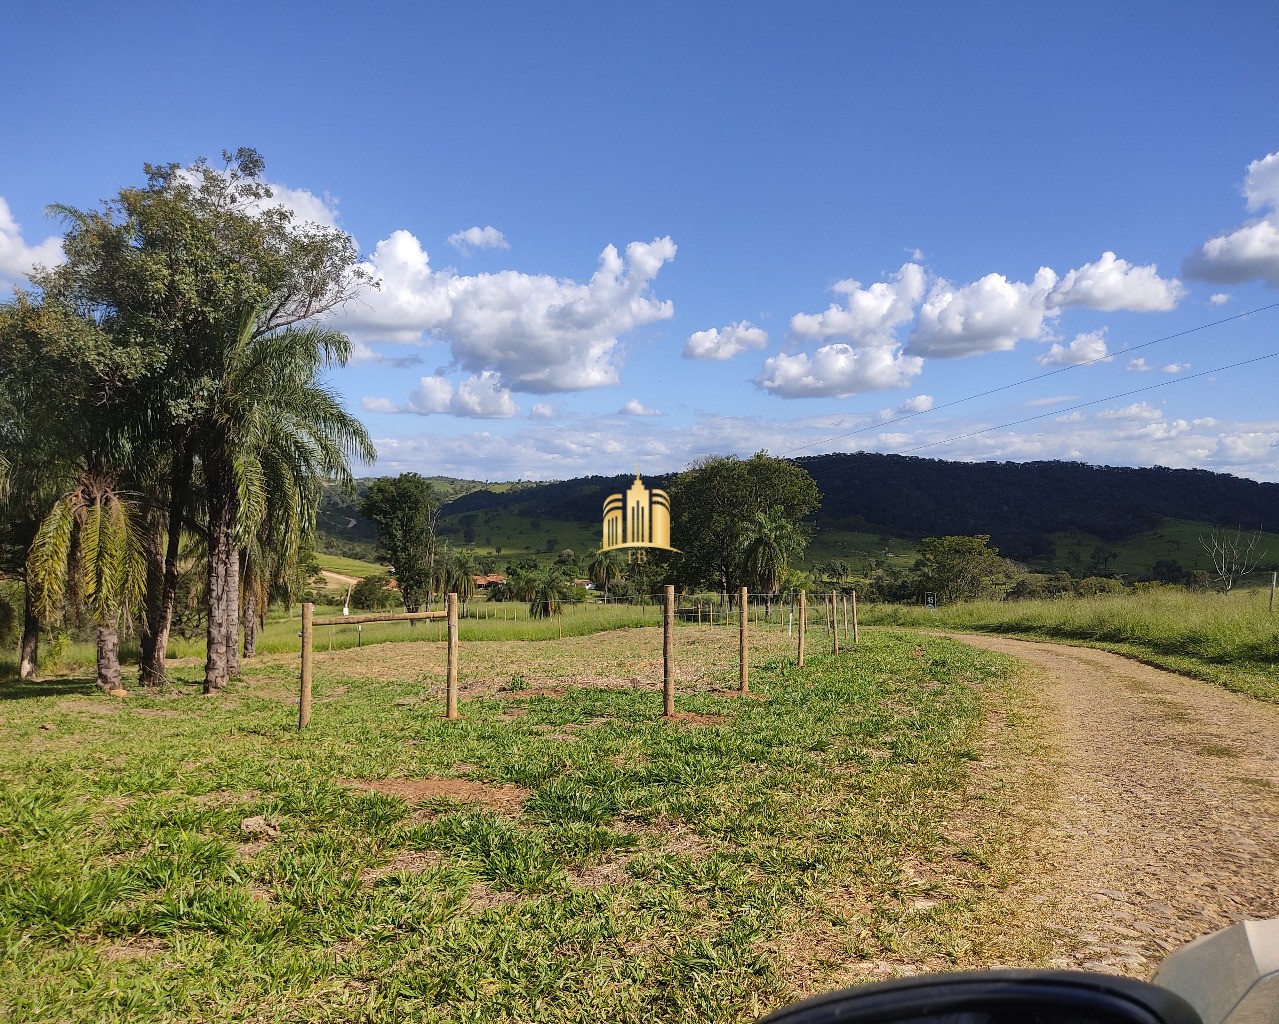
[1168, 807]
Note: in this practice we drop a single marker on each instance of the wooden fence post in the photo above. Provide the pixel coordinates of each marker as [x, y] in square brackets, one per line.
[855, 635]
[834, 624]
[803, 623]
[451, 677]
[743, 681]
[668, 653]
[304, 698]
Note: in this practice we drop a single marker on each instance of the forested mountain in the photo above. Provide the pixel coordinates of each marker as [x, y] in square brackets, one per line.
[1019, 504]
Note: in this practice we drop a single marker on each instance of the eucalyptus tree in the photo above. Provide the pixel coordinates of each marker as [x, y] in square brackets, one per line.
[174, 264]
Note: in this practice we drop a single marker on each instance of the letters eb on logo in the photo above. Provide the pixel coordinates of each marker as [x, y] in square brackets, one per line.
[638, 519]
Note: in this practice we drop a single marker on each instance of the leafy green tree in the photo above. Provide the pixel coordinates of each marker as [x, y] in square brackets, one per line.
[962, 568]
[714, 499]
[373, 593]
[406, 514]
[172, 267]
[69, 476]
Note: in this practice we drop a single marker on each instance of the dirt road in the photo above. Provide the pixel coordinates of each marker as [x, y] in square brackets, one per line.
[1168, 807]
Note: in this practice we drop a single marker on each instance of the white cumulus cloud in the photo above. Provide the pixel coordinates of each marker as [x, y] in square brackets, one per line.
[1176, 367]
[837, 371]
[542, 411]
[432, 395]
[867, 316]
[1086, 348]
[1219, 298]
[1138, 365]
[1112, 284]
[484, 397]
[988, 315]
[637, 408]
[915, 404]
[478, 238]
[541, 334]
[1249, 252]
[17, 258]
[724, 343]
[372, 403]
[478, 397]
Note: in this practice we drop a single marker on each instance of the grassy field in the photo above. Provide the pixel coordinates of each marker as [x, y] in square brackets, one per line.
[1174, 539]
[349, 566]
[1231, 639]
[561, 854]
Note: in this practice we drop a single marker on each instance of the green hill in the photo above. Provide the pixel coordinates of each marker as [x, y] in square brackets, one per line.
[1047, 515]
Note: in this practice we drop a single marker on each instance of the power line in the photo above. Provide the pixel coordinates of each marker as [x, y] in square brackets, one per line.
[1030, 380]
[1095, 401]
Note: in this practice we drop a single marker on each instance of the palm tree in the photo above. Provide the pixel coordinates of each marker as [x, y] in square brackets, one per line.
[460, 570]
[548, 587]
[769, 540]
[605, 567]
[90, 543]
[273, 434]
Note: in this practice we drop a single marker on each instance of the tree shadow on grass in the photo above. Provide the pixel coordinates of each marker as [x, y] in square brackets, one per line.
[12, 688]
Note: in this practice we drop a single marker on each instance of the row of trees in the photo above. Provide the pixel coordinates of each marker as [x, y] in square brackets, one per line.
[162, 407]
[740, 522]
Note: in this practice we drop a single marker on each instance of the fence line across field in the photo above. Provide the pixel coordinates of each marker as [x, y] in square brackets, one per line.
[834, 606]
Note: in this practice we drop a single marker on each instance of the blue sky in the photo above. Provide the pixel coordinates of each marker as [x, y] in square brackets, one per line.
[613, 237]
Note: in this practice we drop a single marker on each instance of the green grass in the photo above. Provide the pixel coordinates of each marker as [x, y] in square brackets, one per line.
[859, 549]
[511, 534]
[1230, 639]
[701, 871]
[483, 621]
[1174, 539]
[349, 566]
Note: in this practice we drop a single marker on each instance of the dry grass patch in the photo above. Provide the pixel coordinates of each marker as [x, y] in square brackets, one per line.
[138, 947]
[410, 862]
[509, 799]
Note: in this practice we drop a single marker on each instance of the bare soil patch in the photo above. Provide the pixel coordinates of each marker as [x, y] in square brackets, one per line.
[692, 719]
[509, 799]
[1165, 825]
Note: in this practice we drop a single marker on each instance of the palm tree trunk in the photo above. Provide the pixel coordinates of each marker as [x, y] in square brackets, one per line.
[151, 670]
[221, 549]
[109, 677]
[233, 612]
[30, 650]
[250, 626]
[152, 605]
